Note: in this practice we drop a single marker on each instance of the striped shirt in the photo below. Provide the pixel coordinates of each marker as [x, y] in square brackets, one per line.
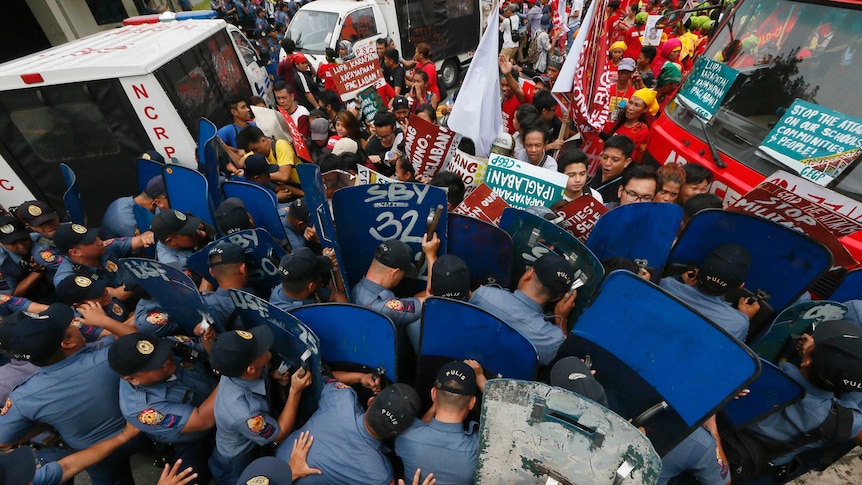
[445, 449]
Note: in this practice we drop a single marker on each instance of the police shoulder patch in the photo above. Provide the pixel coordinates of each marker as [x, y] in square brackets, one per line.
[6, 407]
[259, 426]
[151, 417]
[394, 304]
[157, 318]
[48, 256]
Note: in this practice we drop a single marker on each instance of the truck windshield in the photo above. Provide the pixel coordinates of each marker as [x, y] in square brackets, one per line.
[312, 30]
[783, 50]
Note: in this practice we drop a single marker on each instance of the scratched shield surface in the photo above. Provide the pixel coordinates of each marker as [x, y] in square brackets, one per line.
[532, 433]
[367, 215]
[262, 254]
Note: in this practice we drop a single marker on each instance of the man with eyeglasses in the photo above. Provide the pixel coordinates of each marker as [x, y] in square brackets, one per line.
[385, 138]
[637, 184]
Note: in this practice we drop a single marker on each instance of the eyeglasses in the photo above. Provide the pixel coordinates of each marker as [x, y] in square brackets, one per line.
[386, 137]
[640, 198]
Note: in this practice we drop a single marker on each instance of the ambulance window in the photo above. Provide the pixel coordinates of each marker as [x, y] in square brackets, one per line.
[66, 131]
[245, 50]
[359, 25]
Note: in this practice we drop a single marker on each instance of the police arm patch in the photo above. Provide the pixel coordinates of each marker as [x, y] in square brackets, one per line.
[6, 407]
[394, 304]
[157, 318]
[259, 426]
[151, 417]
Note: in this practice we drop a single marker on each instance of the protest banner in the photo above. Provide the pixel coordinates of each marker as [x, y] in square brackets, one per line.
[356, 74]
[580, 216]
[706, 87]
[370, 102]
[815, 141]
[299, 145]
[483, 204]
[365, 175]
[779, 205]
[822, 197]
[523, 185]
[471, 169]
[429, 146]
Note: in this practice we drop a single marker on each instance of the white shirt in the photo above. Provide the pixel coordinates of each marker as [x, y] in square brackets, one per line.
[506, 27]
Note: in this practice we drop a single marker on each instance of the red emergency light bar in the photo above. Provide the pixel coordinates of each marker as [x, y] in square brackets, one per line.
[170, 17]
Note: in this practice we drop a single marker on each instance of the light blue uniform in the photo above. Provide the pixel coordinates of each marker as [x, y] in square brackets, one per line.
[697, 453]
[402, 311]
[11, 272]
[524, 315]
[343, 450]
[174, 257]
[445, 449]
[152, 319]
[108, 264]
[286, 303]
[223, 310]
[713, 307]
[119, 219]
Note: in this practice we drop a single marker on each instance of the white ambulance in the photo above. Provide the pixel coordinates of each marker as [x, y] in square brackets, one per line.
[97, 103]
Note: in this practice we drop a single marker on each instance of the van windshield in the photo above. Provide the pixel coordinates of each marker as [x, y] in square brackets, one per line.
[312, 30]
[783, 50]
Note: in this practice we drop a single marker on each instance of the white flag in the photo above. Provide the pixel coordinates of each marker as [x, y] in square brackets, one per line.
[477, 113]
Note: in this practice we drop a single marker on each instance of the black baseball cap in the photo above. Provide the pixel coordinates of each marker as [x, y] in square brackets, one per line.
[393, 410]
[723, 269]
[400, 102]
[36, 212]
[138, 352]
[555, 273]
[836, 360]
[69, 235]
[456, 377]
[257, 165]
[571, 373]
[18, 467]
[234, 351]
[35, 336]
[224, 252]
[77, 289]
[396, 254]
[172, 221]
[232, 216]
[450, 278]
[302, 265]
[11, 230]
[267, 470]
[152, 155]
[298, 209]
[156, 187]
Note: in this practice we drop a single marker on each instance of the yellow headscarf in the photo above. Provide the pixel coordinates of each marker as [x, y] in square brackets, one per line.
[648, 96]
[618, 45]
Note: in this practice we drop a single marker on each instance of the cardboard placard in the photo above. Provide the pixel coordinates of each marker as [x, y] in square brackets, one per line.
[370, 102]
[429, 146]
[299, 145]
[822, 197]
[483, 204]
[365, 175]
[356, 74]
[470, 168]
[580, 216]
[706, 86]
[523, 185]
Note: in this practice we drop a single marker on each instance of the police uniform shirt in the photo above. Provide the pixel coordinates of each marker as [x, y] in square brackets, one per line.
[11, 271]
[50, 473]
[696, 453]
[242, 417]
[117, 248]
[523, 314]
[174, 257]
[343, 449]
[46, 254]
[152, 319]
[383, 301]
[13, 373]
[286, 303]
[443, 448]
[10, 304]
[713, 307]
[119, 219]
[162, 410]
[222, 309]
[77, 396]
[294, 238]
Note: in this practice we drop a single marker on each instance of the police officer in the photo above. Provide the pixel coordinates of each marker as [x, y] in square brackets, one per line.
[169, 397]
[393, 261]
[548, 280]
[89, 256]
[243, 422]
[228, 266]
[179, 236]
[295, 223]
[443, 445]
[301, 277]
[120, 220]
[75, 390]
[40, 218]
[19, 273]
[78, 290]
[232, 216]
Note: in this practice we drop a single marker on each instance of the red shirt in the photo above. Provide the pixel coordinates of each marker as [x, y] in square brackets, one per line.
[324, 71]
[431, 71]
[510, 104]
[639, 133]
[386, 92]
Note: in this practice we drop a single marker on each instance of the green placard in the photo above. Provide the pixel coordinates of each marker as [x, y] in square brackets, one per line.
[706, 86]
[523, 185]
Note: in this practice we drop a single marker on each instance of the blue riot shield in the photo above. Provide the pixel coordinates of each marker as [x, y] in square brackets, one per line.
[320, 214]
[850, 287]
[638, 232]
[188, 191]
[354, 334]
[649, 349]
[294, 343]
[147, 169]
[532, 433]
[485, 248]
[262, 254]
[260, 203]
[174, 291]
[208, 158]
[778, 342]
[771, 392]
[533, 236]
[72, 196]
[783, 262]
[367, 215]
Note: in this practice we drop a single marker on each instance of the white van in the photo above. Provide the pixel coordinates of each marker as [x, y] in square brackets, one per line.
[97, 103]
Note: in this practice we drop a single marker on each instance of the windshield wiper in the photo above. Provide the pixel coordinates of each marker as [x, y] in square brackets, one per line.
[712, 150]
